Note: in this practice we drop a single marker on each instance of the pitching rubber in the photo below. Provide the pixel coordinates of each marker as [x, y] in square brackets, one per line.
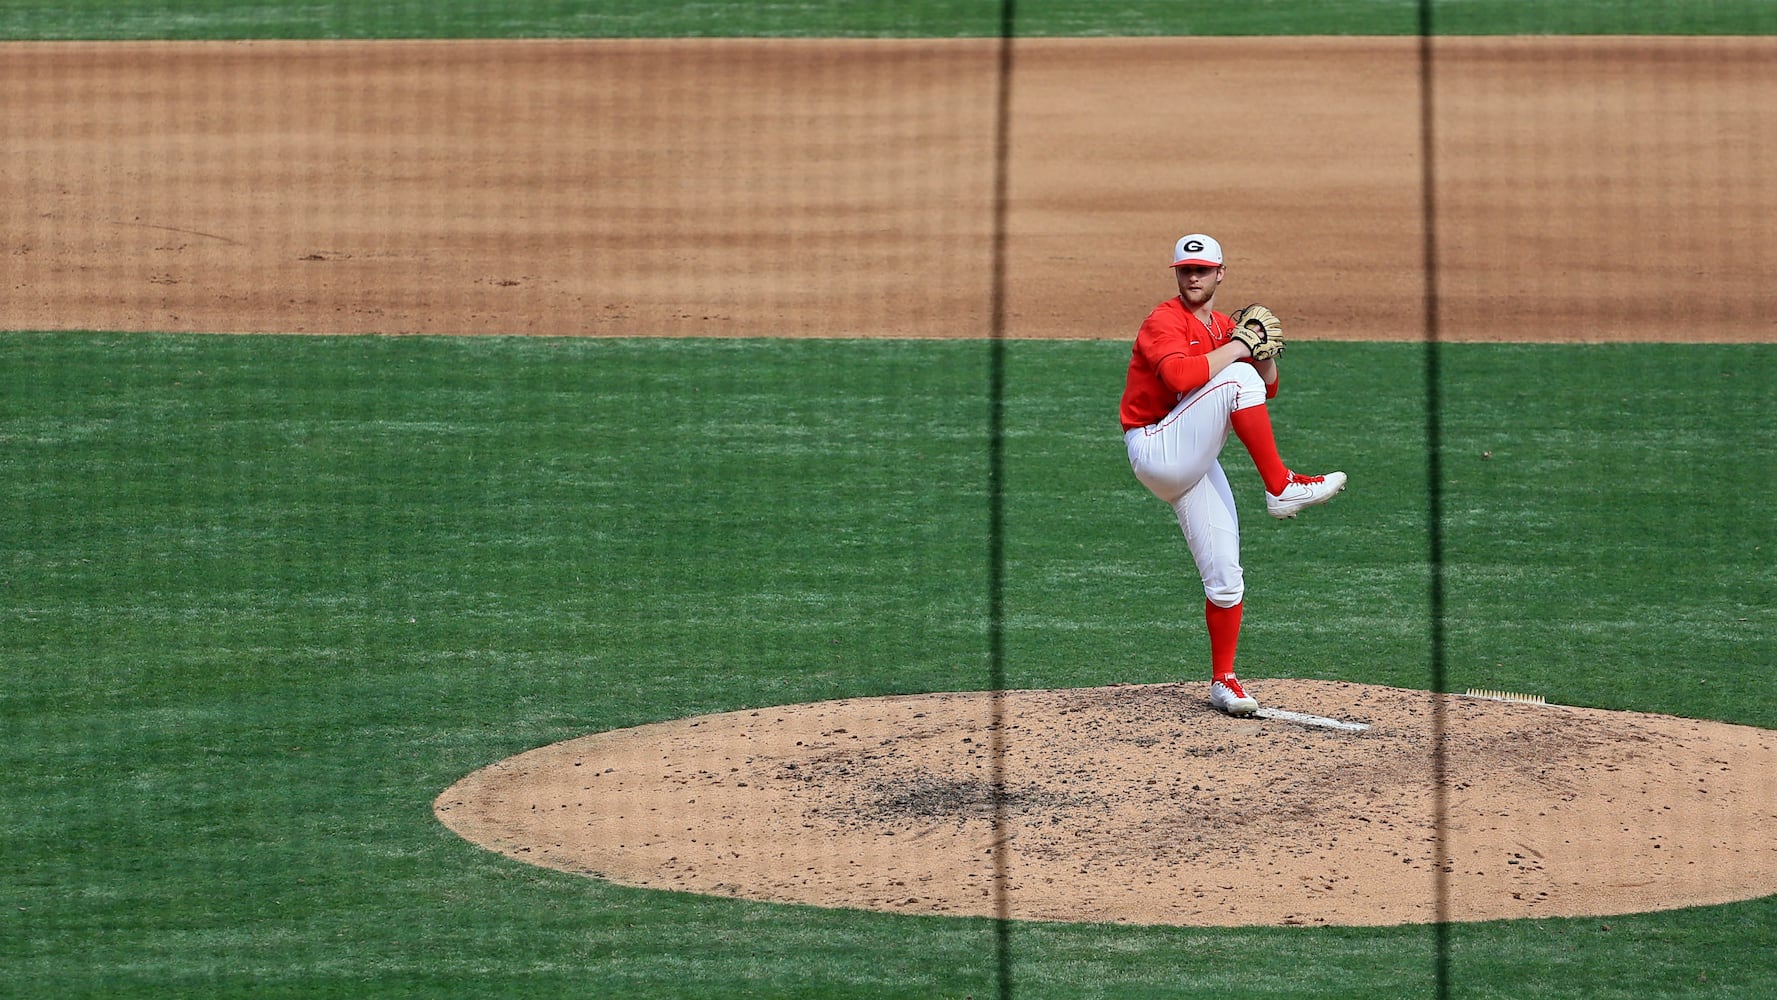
[1317, 721]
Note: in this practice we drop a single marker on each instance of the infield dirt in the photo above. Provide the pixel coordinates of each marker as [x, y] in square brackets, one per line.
[798, 188]
[809, 188]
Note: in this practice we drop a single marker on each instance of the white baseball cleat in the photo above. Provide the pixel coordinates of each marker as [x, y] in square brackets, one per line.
[1230, 697]
[1304, 491]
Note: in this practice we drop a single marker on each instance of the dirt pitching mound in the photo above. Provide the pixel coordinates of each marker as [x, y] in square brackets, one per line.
[1140, 804]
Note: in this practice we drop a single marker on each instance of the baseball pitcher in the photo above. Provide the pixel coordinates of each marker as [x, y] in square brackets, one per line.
[1196, 374]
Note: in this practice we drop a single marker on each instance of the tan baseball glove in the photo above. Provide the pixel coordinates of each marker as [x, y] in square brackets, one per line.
[1260, 330]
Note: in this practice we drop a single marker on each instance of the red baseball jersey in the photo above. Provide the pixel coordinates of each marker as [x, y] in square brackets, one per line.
[1170, 331]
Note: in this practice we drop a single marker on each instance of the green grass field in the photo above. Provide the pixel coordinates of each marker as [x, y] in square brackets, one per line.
[265, 597]
[61, 19]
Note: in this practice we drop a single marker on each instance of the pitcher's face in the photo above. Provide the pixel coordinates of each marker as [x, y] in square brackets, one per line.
[1197, 283]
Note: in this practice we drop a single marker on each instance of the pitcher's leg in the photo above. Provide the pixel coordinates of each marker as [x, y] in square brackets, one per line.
[1170, 457]
[1207, 517]
[1286, 492]
[1253, 427]
[1212, 530]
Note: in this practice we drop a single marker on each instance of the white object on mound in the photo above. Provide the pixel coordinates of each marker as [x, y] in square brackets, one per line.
[1511, 696]
[1318, 721]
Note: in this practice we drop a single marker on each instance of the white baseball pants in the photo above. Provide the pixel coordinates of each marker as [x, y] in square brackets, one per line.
[1176, 460]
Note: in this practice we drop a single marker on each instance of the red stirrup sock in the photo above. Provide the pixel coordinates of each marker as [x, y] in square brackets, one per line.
[1224, 636]
[1253, 427]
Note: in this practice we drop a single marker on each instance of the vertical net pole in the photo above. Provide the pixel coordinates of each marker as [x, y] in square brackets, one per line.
[1434, 473]
[1002, 142]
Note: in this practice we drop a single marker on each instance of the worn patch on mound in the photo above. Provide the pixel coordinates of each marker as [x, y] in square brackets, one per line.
[1140, 804]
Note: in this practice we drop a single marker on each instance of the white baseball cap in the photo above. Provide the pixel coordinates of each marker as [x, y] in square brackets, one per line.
[1196, 250]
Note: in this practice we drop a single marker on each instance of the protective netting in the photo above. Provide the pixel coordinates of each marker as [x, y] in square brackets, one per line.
[770, 364]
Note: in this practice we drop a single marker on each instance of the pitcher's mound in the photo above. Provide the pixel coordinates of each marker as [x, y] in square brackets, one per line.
[1140, 804]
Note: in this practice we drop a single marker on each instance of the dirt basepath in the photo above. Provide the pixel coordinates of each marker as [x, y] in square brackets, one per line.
[796, 188]
[1141, 804]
